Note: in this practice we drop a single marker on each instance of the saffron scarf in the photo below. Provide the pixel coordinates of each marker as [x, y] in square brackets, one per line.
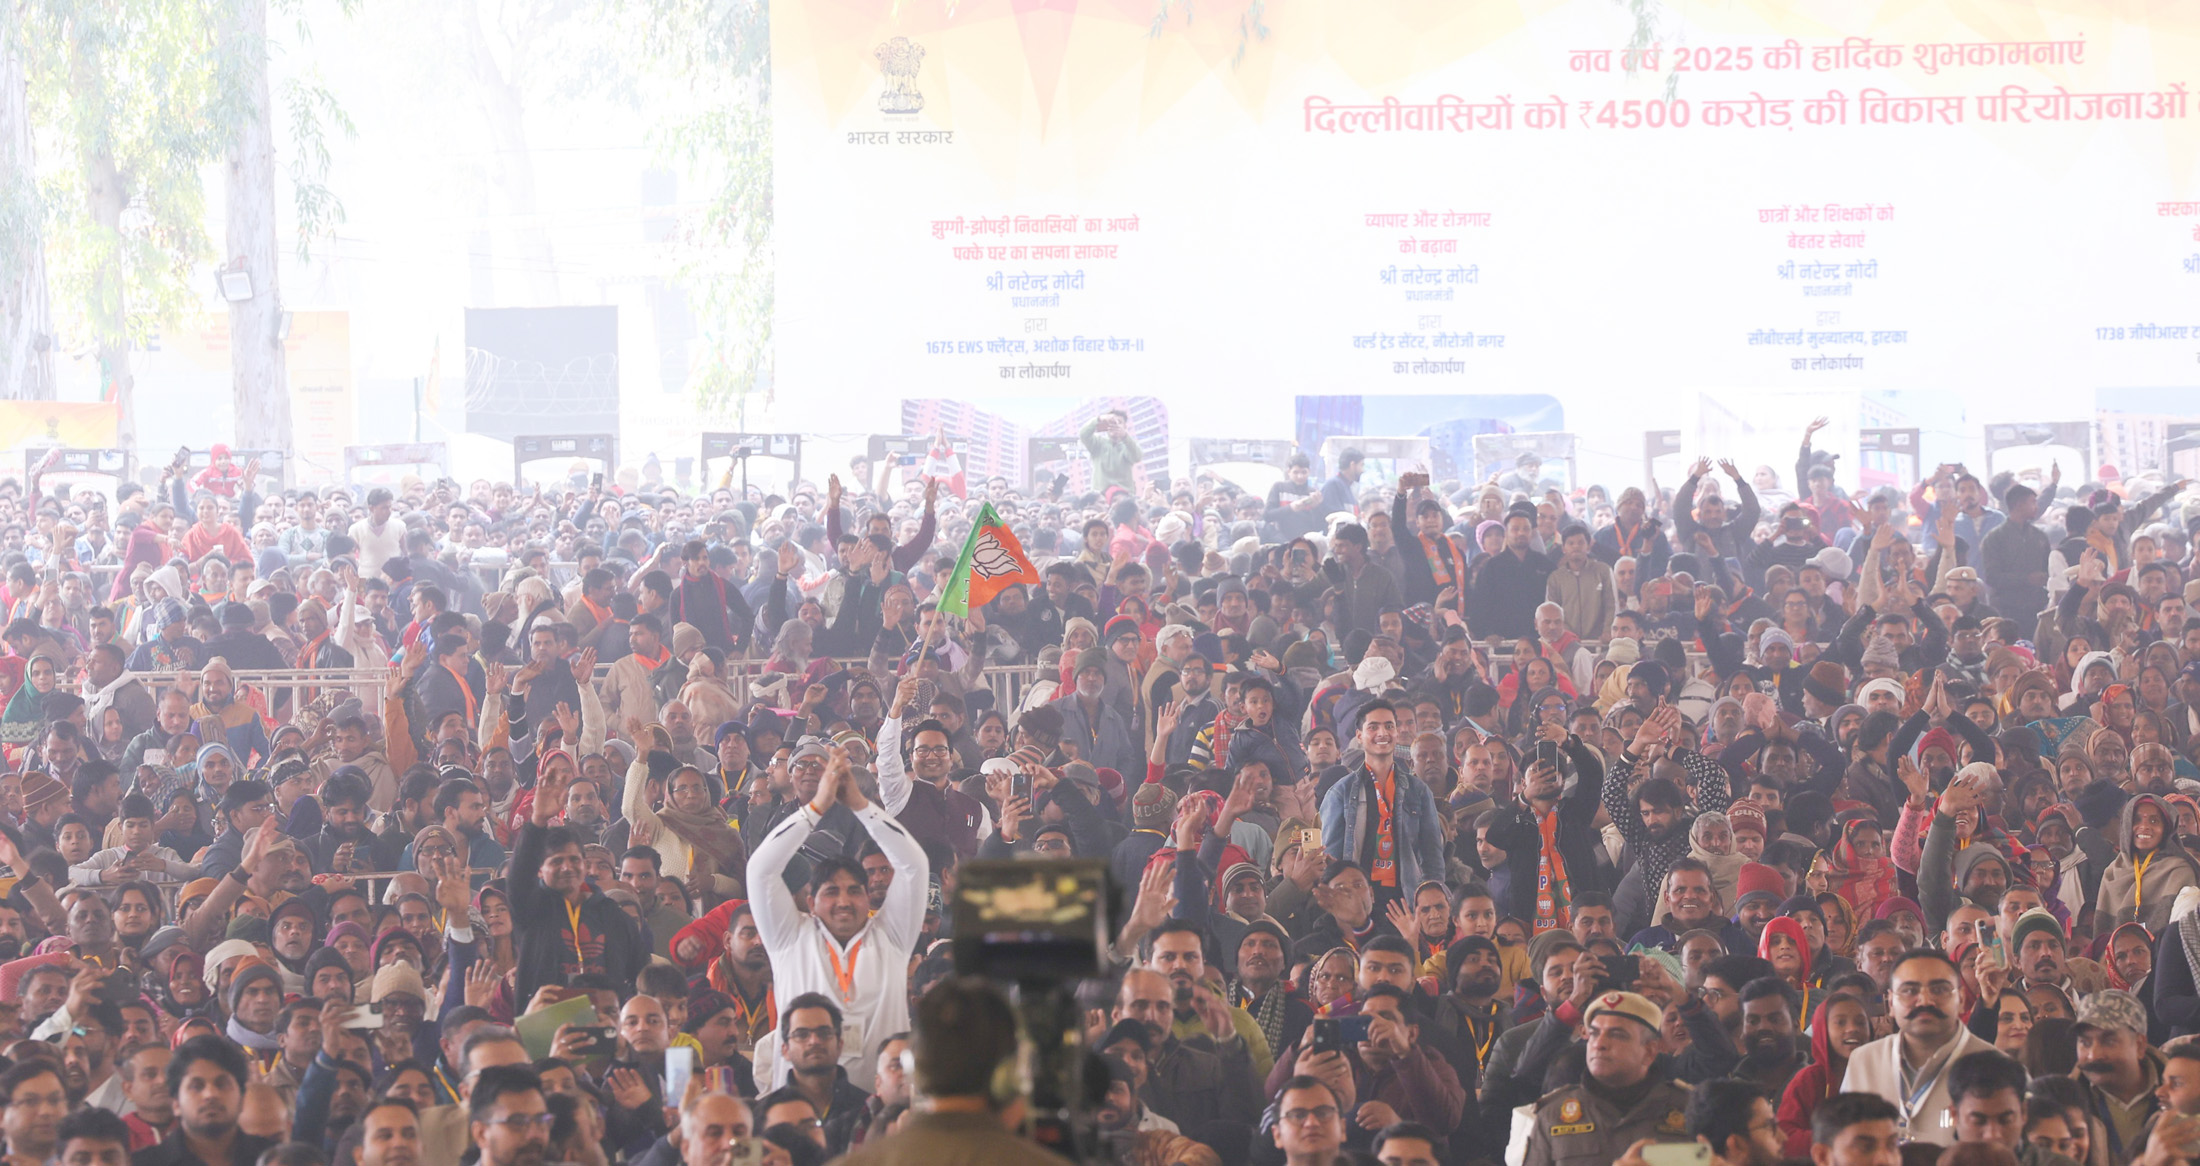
[1553, 905]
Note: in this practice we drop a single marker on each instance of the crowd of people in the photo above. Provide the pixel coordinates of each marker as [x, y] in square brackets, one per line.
[1455, 822]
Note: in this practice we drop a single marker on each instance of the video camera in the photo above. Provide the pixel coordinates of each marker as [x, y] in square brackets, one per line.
[1042, 925]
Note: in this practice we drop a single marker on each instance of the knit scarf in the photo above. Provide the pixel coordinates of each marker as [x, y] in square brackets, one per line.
[709, 837]
[1226, 723]
[1267, 1010]
[257, 1042]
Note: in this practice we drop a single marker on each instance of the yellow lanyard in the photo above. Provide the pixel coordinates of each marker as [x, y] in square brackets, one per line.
[573, 912]
[2139, 879]
[1482, 1050]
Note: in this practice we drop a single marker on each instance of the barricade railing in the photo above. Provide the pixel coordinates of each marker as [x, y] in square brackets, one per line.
[289, 689]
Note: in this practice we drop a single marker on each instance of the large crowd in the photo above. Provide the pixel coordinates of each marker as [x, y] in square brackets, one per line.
[1455, 822]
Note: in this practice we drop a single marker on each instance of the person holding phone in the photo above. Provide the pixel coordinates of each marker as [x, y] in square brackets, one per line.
[1619, 1102]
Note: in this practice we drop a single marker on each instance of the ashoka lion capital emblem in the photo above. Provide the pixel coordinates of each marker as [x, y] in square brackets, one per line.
[899, 60]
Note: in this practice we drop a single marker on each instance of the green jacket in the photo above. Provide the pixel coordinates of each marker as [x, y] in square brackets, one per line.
[1113, 458]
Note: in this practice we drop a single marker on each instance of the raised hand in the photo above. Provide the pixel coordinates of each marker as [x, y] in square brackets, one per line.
[1013, 813]
[1652, 731]
[1913, 779]
[569, 723]
[627, 1088]
[1727, 467]
[828, 786]
[257, 847]
[1304, 868]
[453, 890]
[1991, 973]
[1156, 895]
[550, 796]
[1165, 718]
[584, 666]
[1191, 820]
[335, 1018]
[1402, 918]
[1962, 794]
[1699, 467]
[1816, 424]
[1240, 800]
[481, 983]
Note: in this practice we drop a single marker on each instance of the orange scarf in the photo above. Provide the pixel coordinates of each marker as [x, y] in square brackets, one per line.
[1553, 906]
[473, 704]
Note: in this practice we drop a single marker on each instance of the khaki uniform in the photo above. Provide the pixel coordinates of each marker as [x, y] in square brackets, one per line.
[1573, 1127]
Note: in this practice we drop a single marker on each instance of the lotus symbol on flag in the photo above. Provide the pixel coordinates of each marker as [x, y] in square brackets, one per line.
[989, 559]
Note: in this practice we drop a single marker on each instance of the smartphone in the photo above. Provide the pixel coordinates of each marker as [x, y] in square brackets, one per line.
[1019, 786]
[1353, 1029]
[679, 1070]
[1621, 971]
[597, 481]
[1677, 1154]
[600, 1040]
[365, 1019]
[745, 1152]
[1328, 1035]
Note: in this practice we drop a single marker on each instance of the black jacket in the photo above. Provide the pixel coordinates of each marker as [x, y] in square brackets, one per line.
[542, 931]
[1516, 833]
[842, 1114]
[245, 1150]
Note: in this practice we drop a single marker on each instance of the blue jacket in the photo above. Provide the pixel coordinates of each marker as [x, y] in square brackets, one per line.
[1108, 743]
[1349, 821]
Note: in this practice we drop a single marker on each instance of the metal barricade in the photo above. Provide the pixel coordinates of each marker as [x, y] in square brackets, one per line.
[287, 690]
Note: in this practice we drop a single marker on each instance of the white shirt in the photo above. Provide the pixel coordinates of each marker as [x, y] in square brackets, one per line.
[875, 1004]
[376, 546]
[86, 873]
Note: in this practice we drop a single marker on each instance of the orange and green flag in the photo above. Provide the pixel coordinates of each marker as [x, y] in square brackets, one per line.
[992, 561]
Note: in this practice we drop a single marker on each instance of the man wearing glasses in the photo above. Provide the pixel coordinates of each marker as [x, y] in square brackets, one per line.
[1309, 1125]
[810, 1034]
[1910, 1068]
[509, 1118]
[933, 810]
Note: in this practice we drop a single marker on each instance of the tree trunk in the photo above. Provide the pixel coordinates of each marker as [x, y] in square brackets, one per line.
[261, 382]
[512, 164]
[26, 320]
[106, 195]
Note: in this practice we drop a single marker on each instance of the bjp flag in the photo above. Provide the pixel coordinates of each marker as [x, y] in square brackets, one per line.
[992, 560]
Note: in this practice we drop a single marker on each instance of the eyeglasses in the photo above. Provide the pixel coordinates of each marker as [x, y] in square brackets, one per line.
[523, 1123]
[930, 750]
[821, 1033]
[1320, 1113]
